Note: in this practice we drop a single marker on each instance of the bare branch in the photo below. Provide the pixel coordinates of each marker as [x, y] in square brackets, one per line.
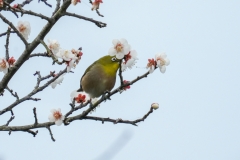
[13, 94]
[98, 23]
[32, 132]
[25, 2]
[34, 91]
[50, 132]
[14, 28]
[35, 116]
[7, 43]
[11, 118]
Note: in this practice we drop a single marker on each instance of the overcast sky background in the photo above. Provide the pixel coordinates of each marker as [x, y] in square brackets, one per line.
[199, 95]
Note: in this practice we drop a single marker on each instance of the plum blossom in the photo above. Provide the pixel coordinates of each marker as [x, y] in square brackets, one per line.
[79, 97]
[155, 106]
[120, 48]
[56, 116]
[78, 54]
[57, 81]
[130, 60]
[11, 61]
[67, 55]
[4, 65]
[151, 65]
[24, 28]
[95, 4]
[54, 46]
[162, 61]
[75, 2]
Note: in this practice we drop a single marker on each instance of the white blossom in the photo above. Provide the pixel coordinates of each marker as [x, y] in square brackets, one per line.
[24, 28]
[120, 48]
[56, 116]
[162, 61]
[75, 2]
[67, 55]
[57, 81]
[4, 65]
[130, 60]
[54, 46]
[95, 4]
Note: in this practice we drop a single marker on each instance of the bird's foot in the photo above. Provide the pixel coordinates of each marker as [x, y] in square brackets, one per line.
[106, 95]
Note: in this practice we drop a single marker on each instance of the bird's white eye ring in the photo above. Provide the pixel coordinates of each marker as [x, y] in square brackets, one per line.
[114, 59]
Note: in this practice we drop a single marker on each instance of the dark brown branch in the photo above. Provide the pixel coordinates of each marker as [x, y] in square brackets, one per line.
[35, 116]
[98, 23]
[7, 43]
[3, 34]
[14, 28]
[50, 132]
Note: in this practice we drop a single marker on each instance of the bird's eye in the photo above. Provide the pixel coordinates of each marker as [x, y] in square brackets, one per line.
[114, 59]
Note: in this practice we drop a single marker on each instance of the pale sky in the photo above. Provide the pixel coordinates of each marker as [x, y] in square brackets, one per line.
[199, 95]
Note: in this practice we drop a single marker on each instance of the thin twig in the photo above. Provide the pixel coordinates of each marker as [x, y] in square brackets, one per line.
[50, 132]
[97, 10]
[11, 118]
[14, 28]
[32, 132]
[120, 72]
[45, 1]
[13, 94]
[25, 2]
[5, 33]
[35, 116]
[98, 23]
[7, 43]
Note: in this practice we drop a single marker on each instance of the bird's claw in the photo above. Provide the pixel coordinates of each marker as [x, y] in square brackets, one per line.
[106, 95]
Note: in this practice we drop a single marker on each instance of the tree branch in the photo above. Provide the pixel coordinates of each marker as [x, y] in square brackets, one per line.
[98, 23]
[7, 43]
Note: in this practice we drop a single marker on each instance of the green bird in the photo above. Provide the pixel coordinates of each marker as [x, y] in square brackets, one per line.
[100, 76]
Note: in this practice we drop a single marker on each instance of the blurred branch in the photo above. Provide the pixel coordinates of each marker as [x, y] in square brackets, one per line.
[45, 1]
[98, 23]
[39, 55]
[3, 34]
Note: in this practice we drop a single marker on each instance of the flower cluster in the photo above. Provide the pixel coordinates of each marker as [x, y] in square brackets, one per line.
[5, 64]
[161, 61]
[71, 58]
[24, 28]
